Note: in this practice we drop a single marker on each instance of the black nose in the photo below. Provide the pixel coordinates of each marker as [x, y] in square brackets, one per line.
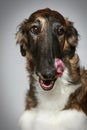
[49, 74]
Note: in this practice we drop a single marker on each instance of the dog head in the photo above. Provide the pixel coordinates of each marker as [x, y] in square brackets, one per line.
[46, 36]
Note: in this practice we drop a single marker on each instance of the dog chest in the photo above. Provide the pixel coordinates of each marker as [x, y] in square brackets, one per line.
[65, 120]
[53, 120]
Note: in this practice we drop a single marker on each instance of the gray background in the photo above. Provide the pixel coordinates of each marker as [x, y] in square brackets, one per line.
[13, 75]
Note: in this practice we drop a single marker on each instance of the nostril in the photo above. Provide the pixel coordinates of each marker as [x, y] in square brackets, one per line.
[48, 75]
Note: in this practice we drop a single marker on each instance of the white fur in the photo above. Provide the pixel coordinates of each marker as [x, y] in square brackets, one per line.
[56, 98]
[53, 120]
[48, 115]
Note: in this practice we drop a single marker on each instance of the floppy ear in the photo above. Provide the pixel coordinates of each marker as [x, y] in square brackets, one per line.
[71, 38]
[22, 39]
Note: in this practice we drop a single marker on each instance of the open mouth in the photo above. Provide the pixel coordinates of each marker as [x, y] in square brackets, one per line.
[47, 84]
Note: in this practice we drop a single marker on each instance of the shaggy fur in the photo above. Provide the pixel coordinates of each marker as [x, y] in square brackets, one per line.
[44, 36]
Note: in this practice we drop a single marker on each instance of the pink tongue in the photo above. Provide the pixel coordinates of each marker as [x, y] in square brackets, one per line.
[59, 67]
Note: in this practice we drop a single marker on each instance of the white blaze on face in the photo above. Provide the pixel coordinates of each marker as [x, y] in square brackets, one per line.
[43, 22]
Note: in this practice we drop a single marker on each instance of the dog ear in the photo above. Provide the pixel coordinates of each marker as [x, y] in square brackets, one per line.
[71, 38]
[22, 38]
[22, 50]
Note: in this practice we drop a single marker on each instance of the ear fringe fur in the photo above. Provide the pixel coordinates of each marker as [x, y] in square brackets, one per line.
[72, 33]
[21, 38]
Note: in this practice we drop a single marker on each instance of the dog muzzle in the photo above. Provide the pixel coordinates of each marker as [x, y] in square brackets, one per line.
[48, 84]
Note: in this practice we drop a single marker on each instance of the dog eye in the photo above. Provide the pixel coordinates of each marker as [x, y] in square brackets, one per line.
[35, 29]
[60, 31]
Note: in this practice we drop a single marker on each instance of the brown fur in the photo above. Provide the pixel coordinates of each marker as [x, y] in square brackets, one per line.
[78, 99]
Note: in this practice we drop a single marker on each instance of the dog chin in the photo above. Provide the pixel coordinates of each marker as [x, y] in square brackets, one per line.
[46, 84]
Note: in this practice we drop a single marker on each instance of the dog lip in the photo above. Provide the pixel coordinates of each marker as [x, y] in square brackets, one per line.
[46, 84]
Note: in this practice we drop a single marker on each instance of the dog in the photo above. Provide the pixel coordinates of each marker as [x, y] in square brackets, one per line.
[57, 95]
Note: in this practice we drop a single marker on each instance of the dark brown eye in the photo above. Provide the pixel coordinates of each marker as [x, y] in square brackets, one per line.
[60, 31]
[35, 29]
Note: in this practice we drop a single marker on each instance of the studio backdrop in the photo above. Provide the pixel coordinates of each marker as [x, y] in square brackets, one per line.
[13, 75]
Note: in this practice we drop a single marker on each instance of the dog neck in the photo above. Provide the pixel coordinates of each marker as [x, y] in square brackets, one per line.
[57, 98]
